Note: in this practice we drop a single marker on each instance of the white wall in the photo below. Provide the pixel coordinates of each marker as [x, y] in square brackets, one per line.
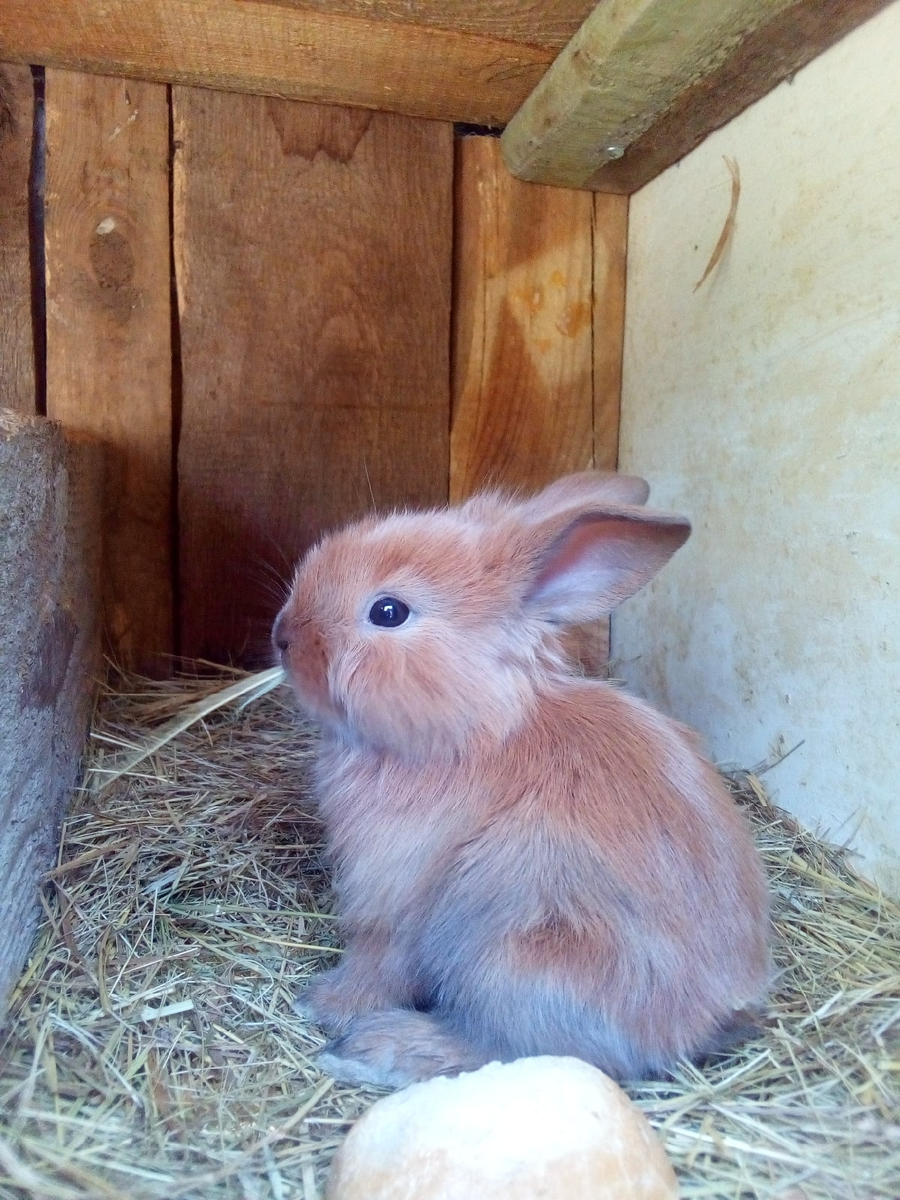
[767, 406]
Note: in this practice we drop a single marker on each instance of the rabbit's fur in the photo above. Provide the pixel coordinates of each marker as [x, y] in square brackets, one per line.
[526, 861]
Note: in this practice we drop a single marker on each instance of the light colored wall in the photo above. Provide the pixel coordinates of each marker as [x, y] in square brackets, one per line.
[767, 406]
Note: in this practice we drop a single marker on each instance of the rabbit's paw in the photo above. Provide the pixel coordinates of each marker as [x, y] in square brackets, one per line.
[395, 1048]
[364, 1060]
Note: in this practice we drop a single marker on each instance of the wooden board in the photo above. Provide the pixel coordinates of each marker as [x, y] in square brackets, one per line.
[17, 367]
[280, 50]
[531, 400]
[644, 81]
[545, 23]
[313, 259]
[108, 330]
[522, 355]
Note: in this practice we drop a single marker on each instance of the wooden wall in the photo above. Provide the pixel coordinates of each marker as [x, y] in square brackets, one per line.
[276, 315]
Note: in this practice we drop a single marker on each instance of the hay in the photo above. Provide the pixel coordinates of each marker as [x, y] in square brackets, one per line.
[151, 1051]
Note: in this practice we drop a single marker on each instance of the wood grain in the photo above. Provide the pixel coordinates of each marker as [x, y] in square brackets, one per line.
[644, 81]
[313, 259]
[280, 50]
[538, 325]
[108, 331]
[17, 374]
[545, 23]
[522, 354]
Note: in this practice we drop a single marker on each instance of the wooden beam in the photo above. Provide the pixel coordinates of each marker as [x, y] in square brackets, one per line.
[17, 373]
[280, 50]
[313, 253]
[644, 81]
[109, 367]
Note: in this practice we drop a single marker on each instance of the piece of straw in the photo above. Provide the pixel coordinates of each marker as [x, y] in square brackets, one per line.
[728, 228]
[152, 1052]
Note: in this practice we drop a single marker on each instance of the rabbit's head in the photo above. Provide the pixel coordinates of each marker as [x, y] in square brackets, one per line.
[419, 631]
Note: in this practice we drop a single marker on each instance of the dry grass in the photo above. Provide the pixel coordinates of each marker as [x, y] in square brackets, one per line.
[151, 1051]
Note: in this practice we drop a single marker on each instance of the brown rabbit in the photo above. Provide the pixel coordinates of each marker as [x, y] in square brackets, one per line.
[526, 862]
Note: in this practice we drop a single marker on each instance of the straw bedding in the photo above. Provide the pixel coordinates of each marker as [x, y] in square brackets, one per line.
[151, 1051]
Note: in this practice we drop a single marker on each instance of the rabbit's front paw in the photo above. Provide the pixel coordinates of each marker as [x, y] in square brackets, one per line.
[397, 1047]
[360, 1059]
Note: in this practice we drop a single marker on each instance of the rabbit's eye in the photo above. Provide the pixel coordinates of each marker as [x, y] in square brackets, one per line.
[388, 612]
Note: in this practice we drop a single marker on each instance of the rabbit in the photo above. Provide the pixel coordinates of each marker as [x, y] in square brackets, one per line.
[526, 862]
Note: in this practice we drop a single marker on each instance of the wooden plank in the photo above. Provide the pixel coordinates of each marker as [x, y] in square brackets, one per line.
[313, 260]
[279, 50]
[17, 376]
[523, 372]
[644, 81]
[108, 331]
[545, 23]
[610, 250]
[522, 367]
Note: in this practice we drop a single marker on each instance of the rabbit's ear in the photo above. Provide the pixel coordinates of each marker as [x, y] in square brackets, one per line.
[586, 564]
[586, 489]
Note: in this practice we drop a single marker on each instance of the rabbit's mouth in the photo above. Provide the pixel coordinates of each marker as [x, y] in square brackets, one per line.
[314, 698]
[304, 657]
[308, 676]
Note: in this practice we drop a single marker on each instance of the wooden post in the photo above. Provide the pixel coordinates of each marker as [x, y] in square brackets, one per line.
[50, 536]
